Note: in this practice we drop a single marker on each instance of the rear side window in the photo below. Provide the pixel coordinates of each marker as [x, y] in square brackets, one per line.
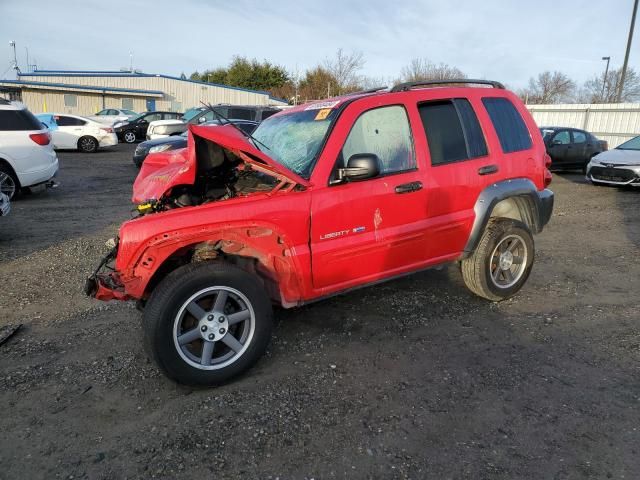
[509, 125]
[579, 137]
[267, 113]
[16, 120]
[241, 114]
[63, 121]
[453, 131]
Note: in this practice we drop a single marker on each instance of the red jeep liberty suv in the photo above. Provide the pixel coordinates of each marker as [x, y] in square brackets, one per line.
[323, 198]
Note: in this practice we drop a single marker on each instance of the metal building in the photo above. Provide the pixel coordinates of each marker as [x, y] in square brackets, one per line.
[86, 92]
[614, 122]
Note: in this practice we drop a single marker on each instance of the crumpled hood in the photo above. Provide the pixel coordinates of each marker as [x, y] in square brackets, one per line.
[619, 157]
[165, 170]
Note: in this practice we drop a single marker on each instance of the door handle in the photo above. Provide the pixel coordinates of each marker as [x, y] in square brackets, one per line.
[409, 187]
[488, 170]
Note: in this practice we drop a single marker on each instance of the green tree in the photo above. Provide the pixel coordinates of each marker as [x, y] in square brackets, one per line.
[245, 73]
[317, 83]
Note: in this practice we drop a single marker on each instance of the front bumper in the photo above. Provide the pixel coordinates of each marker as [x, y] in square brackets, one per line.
[621, 175]
[104, 283]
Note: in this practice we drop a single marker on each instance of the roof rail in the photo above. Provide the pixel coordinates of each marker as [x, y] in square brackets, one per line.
[362, 92]
[403, 87]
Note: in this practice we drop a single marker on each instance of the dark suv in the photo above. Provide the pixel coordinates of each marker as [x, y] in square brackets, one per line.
[136, 128]
[571, 148]
[321, 199]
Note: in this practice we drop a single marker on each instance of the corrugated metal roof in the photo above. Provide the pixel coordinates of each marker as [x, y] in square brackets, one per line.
[111, 73]
[66, 86]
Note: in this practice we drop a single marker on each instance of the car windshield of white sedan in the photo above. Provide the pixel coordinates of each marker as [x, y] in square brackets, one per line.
[128, 112]
[295, 139]
[633, 144]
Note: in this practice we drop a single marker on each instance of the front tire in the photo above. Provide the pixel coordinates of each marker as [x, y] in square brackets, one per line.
[88, 144]
[207, 323]
[129, 136]
[502, 261]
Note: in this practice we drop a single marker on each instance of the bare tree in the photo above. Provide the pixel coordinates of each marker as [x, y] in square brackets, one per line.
[422, 69]
[344, 68]
[592, 92]
[549, 87]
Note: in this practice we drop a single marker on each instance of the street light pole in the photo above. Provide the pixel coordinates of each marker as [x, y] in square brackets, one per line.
[12, 43]
[626, 56]
[606, 73]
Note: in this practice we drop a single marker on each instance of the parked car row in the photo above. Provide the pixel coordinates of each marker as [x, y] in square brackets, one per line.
[620, 166]
[74, 132]
[201, 115]
[175, 142]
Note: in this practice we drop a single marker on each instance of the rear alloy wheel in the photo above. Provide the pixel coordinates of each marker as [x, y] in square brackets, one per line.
[129, 136]
[88, 144]
[502, 261]
[207, 323]
[8, 182]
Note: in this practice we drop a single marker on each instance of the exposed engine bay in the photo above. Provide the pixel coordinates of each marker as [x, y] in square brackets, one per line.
[220, 175]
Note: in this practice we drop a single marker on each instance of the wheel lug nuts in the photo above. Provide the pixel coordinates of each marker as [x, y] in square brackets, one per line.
[204, 328]
[211, 336]
[222, 330]
[210, 317]
[221, 319]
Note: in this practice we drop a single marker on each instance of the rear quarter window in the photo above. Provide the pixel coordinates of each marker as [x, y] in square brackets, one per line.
[17, 120]
[508, 124]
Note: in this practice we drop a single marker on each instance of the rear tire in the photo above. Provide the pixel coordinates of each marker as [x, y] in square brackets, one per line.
[129, 136]
[207, 323]
[9, 183]
[88, 144]
[502, 261]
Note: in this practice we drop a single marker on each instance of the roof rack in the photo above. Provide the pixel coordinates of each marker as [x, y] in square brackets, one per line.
[403, 87]
[362, 92]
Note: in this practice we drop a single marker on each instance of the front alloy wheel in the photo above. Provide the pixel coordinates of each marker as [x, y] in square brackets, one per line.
[206, 323]
[129, 136]
[214, 327]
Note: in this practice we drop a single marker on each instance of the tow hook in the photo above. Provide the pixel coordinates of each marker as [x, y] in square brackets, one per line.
[52, 184]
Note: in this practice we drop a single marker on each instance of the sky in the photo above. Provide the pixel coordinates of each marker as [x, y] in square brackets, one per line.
[508, 41]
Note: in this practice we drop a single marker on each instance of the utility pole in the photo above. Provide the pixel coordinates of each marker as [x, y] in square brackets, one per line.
[626, 56]
[12, 43]
[604, 80]
[131, 62]
[27, 58]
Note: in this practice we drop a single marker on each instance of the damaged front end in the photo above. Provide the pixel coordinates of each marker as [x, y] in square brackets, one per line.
[104, 283]
[218, 164]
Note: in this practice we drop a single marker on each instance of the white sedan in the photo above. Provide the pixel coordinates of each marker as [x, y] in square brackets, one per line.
[620, 166]
[81, 133]
[113, 115]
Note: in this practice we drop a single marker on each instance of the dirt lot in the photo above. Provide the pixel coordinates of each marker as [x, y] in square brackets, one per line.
[412, 379]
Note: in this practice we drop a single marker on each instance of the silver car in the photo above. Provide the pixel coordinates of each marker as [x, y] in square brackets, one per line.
[620, 166]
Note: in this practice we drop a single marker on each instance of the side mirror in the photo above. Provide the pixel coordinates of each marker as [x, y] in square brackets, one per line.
[202, 119]
[556, 142]
[360, 166]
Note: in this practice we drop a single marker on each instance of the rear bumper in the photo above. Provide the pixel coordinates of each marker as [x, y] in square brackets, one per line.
[109, 140]
[34, 177]
[545, 207]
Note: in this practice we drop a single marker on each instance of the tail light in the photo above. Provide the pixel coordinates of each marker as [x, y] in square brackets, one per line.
[107, 130]
[547, 174]
[40, 138]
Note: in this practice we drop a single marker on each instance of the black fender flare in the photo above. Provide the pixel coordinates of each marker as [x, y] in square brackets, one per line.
[535, 206]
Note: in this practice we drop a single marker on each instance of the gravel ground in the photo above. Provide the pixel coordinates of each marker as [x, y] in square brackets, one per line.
[415, 378]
